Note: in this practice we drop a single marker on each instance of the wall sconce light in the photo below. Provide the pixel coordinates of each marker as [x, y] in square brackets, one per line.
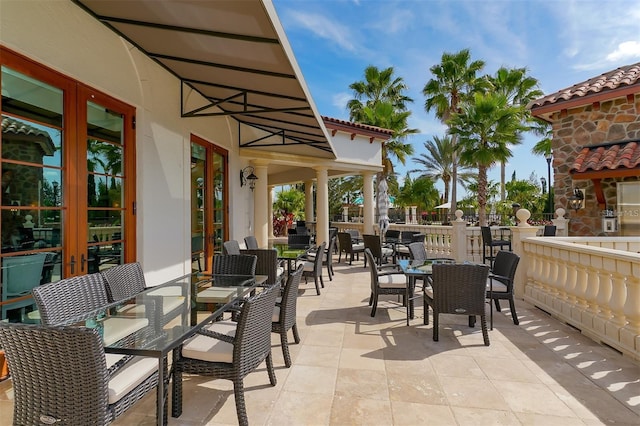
[247, 177]
[576, 201]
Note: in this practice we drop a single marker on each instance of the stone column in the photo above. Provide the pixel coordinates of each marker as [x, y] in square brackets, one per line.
[414, 212]
[270, 207]
[459, 238]
[322, 200]
[261, 206]
[309, 214]
[345, 213]
[518, 235]
[561, 223]
[367, 195]
[407, 215]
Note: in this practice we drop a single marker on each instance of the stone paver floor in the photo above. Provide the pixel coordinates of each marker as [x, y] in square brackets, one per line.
[353, 369]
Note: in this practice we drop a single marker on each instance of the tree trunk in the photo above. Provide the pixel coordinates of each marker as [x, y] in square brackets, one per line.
[482, 195]
[503, 168]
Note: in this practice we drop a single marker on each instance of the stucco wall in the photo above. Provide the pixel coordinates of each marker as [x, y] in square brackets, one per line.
[615, 120]
[62, 36]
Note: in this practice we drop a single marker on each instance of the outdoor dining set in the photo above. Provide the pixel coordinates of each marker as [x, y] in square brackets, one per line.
[107, 339]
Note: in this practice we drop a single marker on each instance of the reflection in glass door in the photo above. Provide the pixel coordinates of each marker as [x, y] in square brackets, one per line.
[68, 181]
[209, 223]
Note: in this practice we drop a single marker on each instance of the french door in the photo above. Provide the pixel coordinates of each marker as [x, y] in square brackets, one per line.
[209, 202]
[68, 174]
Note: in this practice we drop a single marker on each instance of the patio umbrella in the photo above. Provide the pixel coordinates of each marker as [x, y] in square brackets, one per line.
[383, 206]
[443, 206]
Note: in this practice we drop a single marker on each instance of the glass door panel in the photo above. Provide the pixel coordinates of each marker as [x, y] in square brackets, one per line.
[209, 204]
[32, 195]
[105, 187]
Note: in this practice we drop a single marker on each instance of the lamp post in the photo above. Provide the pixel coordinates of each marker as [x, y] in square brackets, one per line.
[549, 156]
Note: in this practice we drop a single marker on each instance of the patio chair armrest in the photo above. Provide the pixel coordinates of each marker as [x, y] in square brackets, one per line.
[216, 335]
[118, 365]
[500, 278]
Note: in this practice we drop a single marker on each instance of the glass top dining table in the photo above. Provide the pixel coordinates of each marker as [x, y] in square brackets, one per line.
[160, 318]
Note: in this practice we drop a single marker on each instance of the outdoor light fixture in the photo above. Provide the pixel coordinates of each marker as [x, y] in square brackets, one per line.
[576, 201]
[549, 156]
[247, 177]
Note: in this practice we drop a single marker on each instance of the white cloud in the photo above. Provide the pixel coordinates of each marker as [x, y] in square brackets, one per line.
[322, 27]
[339, 100]
[626, 50]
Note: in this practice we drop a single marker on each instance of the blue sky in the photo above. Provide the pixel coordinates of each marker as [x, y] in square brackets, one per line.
[560, 42]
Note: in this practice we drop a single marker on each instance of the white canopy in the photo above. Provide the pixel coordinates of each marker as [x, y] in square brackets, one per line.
[444, 206]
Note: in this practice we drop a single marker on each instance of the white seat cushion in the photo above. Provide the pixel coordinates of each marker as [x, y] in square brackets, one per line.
[130, 376]
[276, 314]
[392, 281]
[117, 328]
[402, 249]
[498, 287]
[308, 266]
[359, 246]
[386, 251]
[112, 359]
[209, 349]
[172, 290]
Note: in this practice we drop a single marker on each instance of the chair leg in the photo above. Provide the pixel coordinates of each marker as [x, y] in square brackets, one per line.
[241, 409]
[370, 298]
[374, 305]
[272, 373]
[296, 336]
[315, 280]
[514, 316]
[472, 321]
[435, 325]
[497, 302]
[485, 333]
[321, 281]
[285, 348]
[426, 313]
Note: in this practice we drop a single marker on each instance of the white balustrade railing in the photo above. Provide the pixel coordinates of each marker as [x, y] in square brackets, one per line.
[589, 285]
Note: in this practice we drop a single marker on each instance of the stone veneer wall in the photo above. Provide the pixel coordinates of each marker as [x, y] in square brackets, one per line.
[614, 120]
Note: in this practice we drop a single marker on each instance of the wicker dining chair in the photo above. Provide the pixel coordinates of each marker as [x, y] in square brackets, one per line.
[458, 289]
[70, 298]
[229, 350]
[124, 281]
[386, 279]
[380, 252]
[231, 247]
[348, 247]
[500, 283]
[285, 312]
[267, 264]
[299, 240]
[251, 242]
[417, 251]
[312, 268]
[61, 376]
[127, 280]
[489, 243]
[327, 259]
[238, 264]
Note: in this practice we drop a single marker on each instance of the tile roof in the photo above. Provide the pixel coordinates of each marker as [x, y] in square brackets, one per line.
[609, 156]
[12, 126]
[329, 120]
[628, 75]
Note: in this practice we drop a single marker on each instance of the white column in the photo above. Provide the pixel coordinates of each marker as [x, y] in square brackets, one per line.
[407, 215]
[261, 206]
[309, 215]
[459, 238]
[414, 212]
[322, 204]
[367, 195]
[561, 223]
[270, 207]
[345, 213]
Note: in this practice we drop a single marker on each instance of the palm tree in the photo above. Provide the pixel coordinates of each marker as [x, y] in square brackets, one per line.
[439, 162]
[486, 127]
[380, 101]
[519, 89]
[454, 80]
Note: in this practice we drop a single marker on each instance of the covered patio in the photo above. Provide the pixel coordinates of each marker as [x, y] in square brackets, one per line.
[351, 368]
